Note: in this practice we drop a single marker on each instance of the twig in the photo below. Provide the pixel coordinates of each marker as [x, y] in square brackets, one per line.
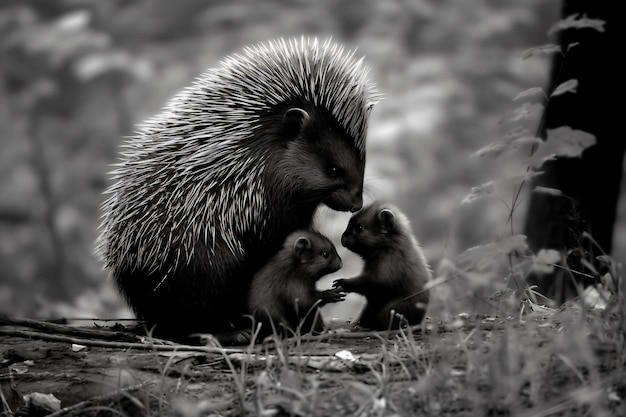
[83, 404]
[94, 319]
[6, 320]
[118, 345]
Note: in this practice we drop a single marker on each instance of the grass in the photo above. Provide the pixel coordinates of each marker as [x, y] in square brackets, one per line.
[565, 362]
[525, 359]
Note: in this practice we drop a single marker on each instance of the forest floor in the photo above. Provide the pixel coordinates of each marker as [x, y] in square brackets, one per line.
[568, 362]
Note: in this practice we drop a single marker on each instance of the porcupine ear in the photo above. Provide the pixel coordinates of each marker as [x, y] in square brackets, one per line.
[293, 120]
[387, 220]
[302, 244]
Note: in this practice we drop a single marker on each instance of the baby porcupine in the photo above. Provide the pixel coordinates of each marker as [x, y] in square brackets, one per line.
[283, 295]
[207, 191]
[395, 269]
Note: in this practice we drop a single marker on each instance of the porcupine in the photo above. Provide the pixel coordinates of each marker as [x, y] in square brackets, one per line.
[207, 191]
[283, 295]
[395, 270]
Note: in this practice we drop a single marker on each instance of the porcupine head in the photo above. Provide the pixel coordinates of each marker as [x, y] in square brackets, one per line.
[314, 253]
[207, 190]
[380, 228]
[381, 234]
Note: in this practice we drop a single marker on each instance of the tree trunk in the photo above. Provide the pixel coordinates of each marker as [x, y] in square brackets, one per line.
[591, 183]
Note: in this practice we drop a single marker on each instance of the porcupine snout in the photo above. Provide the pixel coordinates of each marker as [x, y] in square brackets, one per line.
[357, 199]
[351, 198]
[346, 198]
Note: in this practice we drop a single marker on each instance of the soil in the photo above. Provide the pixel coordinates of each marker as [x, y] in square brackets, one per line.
[391, 373]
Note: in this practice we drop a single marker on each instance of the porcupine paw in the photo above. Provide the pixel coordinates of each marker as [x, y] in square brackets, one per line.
[334, 295]
[340, 284]
[237, 337]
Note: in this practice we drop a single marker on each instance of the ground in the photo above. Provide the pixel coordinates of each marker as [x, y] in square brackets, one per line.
[566, 362]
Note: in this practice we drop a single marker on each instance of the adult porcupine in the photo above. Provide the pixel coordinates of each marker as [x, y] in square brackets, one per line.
[207, 191]
[283, 295]
[395, 270]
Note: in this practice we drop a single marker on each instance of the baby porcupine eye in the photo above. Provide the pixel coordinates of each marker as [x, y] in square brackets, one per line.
[326, 254]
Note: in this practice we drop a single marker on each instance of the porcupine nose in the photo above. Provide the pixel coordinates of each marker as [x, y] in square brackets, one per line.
[357, 200]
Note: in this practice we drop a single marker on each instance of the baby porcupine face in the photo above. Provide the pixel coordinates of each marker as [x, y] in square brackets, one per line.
[369, 230]
[316, 254]
[324, 157]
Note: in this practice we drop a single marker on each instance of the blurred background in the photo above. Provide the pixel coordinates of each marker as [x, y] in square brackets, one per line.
[77, 75]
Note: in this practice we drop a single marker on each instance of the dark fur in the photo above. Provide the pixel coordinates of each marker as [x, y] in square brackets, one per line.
[283, 294]
[209, 293]
[395, 270]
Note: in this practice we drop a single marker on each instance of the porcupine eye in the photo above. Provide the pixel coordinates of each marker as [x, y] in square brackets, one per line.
[346, 178]
[341, 165]
[326, 254]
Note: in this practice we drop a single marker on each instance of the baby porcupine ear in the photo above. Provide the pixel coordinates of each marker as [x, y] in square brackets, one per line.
[293, 120]
[387, 220]
[301, 246]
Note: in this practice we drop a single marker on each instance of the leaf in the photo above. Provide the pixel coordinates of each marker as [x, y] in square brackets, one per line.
[488, 189]
[513, 243]
[479, 265]
[565, 141]
[345, 355]
[511, 141]
[47, 403]
[531, 175]
[568, 86]
[574, 22]
[478, 192]
[562, 141]
[483, 256]
[607, 282]
[530, 92]
[571, 45]
[547, 190]
[539, 308]
[545, 260]
[596, 298]
[525, 141]
[543, 49]
[524, 112]
[540, 156]
[493, 150]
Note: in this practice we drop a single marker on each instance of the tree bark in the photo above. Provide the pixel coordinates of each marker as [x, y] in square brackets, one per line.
[591, 183]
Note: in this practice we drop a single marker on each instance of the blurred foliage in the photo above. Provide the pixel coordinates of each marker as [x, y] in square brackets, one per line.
[76, 75]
